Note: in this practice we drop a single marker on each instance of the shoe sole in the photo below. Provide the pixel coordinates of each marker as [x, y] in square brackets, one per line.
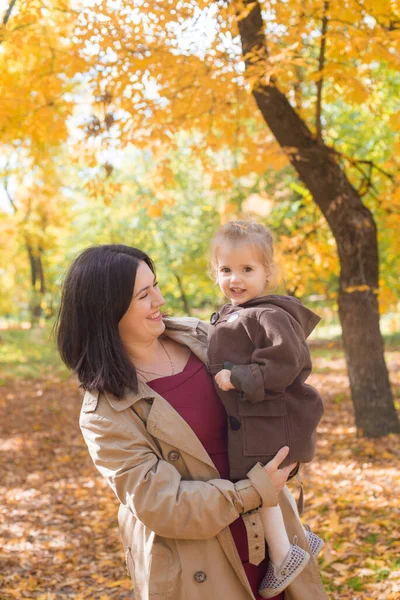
[297, 572]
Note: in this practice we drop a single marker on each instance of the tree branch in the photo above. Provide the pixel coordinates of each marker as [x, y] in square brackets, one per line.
[321, 63]
[359, 161]
[10, 199]
[8, 12]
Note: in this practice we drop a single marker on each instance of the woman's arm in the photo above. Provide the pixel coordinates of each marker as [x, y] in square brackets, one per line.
[155, 492]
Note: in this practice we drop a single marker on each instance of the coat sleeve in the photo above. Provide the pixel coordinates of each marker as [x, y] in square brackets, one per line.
[153, 490]
[275, 363]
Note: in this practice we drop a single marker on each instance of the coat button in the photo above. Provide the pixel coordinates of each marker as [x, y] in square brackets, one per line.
[200, 576]
[234, 423]
[214, 318]
[173, 455]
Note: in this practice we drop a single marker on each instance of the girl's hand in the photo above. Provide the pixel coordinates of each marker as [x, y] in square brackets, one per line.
[276, 475]
[223, 380]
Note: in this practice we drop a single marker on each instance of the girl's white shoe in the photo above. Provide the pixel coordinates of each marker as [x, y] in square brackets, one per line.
[277, 579]
[314, 541]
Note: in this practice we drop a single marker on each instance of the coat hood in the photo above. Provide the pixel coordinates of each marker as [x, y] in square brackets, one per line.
[306, 318]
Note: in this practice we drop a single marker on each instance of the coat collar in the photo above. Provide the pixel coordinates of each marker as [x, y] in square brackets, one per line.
[187, 331]
[163, 421]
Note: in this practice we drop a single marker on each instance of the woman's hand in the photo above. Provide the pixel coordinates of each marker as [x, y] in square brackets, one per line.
[223, 380]
[276, 475]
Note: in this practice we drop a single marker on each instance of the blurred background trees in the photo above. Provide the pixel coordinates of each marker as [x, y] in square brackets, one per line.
[144, 123]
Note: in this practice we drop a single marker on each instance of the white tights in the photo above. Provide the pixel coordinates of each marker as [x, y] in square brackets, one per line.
[275, 533]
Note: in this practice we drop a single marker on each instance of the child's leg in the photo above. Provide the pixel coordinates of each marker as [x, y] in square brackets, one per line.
[315, 542]
[287, 560]
[275, 534]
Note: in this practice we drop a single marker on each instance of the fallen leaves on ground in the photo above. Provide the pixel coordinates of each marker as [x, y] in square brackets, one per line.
[353, 494]
[59, 536]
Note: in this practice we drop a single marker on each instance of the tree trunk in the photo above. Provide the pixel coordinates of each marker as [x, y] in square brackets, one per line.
[184, 298]
[354, 230]
[37, 283]
[369, 381]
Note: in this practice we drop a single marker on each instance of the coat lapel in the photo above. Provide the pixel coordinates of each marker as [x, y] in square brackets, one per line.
[167, 425]
[162, 420]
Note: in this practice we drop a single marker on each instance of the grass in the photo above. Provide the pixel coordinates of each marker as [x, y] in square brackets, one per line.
[29, 354]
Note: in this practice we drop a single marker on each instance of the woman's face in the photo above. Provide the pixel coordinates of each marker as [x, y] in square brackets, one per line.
[142, 322]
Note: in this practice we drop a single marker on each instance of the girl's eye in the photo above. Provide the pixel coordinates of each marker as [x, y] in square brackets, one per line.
[225, 270]
[247, 269]
[155, 284]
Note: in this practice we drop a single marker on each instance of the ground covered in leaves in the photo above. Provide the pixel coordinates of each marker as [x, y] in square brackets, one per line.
[59, 537]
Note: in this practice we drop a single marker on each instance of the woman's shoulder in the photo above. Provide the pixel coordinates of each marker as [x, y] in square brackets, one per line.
[190, 332]
[93, 402]
[90, 401]
[191, 326]
[184, 323]
[104, 413]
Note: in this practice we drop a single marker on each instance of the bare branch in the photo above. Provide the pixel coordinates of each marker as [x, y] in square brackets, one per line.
[10, 199]
[8, 12]
[321, 63]
[355, 162]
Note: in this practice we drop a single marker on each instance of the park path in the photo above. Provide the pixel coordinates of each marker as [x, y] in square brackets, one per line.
[59, 538]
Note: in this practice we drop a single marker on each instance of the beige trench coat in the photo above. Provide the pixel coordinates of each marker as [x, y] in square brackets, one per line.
[174, 509]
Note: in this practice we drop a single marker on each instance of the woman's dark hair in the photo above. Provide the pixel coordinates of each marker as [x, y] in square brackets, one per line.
[96, 294]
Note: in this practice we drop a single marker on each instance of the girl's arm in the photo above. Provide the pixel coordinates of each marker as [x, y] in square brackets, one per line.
[279, 357]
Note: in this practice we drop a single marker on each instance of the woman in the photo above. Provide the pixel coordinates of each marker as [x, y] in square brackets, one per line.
[156, 431]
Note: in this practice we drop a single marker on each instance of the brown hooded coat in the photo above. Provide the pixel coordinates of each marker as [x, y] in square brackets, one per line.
[263, 343]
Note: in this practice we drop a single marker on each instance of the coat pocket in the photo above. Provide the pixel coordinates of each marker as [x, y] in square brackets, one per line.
[160, 576]
[265, 427]
[151, 573]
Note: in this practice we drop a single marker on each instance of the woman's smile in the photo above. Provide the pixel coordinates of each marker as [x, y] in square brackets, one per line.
[156, 316]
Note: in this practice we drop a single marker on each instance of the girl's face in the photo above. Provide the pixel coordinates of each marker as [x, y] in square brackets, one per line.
[241, 274]
[142, 322]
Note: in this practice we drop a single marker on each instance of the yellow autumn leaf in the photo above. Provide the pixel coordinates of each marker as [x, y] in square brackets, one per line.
[154, 211]
[124, 583]
[340, 567]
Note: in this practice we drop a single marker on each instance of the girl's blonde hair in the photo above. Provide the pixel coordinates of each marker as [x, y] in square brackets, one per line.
[249, 232]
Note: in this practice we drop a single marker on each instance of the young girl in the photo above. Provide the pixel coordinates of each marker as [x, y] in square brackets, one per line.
[260, 359]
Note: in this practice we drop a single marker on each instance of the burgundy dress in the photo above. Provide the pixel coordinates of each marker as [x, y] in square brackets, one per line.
[191, 393]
